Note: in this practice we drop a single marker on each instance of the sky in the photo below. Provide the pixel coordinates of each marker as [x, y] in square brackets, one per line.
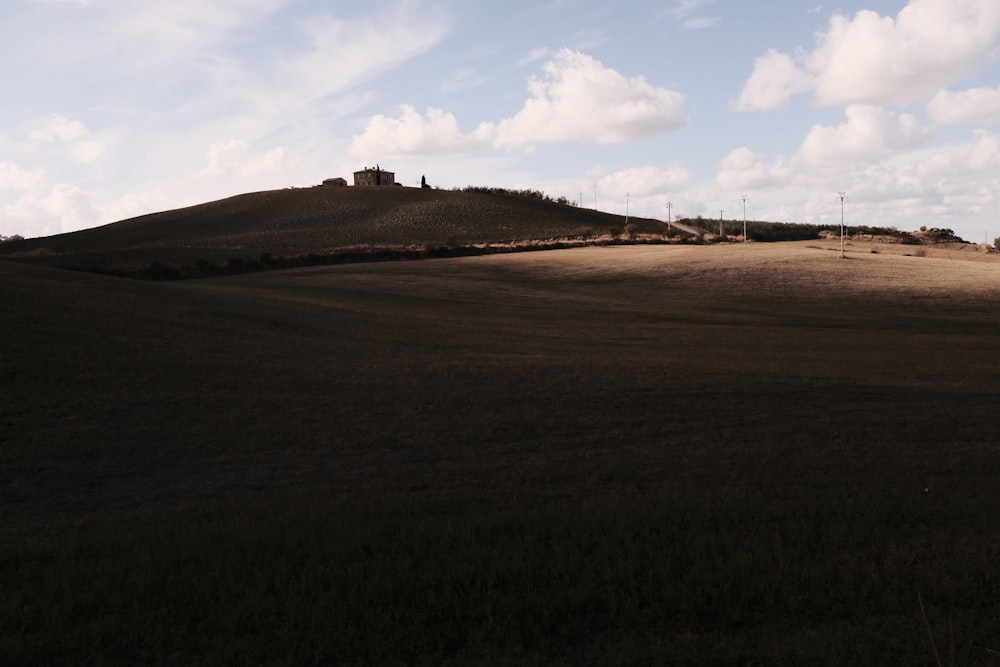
[117, 108]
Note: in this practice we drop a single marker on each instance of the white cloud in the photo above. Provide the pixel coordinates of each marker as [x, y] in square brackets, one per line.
[775, 79]
[880, 60]
[688, 12]
[870, 133]
[534, 56]
[984, 155]
[65, 208]
[87, 151]
[178, 30]
[236, 158]
[463, 79]
[941, 186]
[644, 181]
[580, 99]
[411, 133]
[956, 186]
[743, 169]
[973, 106]
[134, 203]
[343, 53]
[59, 128]
[72, 133]
[13, 177]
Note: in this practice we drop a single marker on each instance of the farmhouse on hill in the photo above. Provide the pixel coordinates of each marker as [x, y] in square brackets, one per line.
[376, 176]
[336, 182]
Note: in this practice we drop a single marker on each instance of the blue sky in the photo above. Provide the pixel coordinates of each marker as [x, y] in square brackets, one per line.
[115, 108]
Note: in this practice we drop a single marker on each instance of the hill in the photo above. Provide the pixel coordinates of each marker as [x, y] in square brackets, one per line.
[315, 221]
[324, 225]
[737, 454]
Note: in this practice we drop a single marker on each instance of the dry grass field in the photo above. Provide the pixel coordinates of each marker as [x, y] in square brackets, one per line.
[737, 454]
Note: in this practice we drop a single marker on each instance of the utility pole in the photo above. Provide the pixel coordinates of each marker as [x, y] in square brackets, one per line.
[842, 196]
[670, 206]
[720, 221]
[626, 207]
[595, 196]
[744, 198]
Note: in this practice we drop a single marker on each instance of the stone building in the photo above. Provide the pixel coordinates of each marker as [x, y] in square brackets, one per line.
[376, 176]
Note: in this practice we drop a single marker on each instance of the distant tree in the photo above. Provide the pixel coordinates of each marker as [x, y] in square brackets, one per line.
[423, 182]
[996, 243]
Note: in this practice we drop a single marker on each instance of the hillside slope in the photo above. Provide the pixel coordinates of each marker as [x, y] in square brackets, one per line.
[683, 455]
[318, 220]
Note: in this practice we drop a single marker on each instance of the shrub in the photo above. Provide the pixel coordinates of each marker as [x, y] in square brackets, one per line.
[159, 271]
[202, 265]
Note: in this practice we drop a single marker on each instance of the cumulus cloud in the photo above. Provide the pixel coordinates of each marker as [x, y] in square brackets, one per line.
[952, 186]
[776, 77]
[412, 133]
[65, 208]
[72, 133]
[973, 106]
[236, 157]
[645, 181]
[984, 155]
[61, 129]
[876, 59]
[743, 169]
[944, 182]
[579, 99]
[870, 133]
[13, 177]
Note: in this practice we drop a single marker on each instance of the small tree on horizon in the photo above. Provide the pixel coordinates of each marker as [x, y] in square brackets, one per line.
[996, 243]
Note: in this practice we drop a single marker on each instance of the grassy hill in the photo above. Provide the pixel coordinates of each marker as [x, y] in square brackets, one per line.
[325, 225]
[317, 221]
[738, 454]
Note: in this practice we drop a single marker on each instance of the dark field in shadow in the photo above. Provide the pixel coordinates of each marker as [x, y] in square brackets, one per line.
[630, 455]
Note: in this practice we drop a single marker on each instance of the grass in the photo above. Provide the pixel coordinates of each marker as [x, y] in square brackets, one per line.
[617, 455]
[307, 225]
